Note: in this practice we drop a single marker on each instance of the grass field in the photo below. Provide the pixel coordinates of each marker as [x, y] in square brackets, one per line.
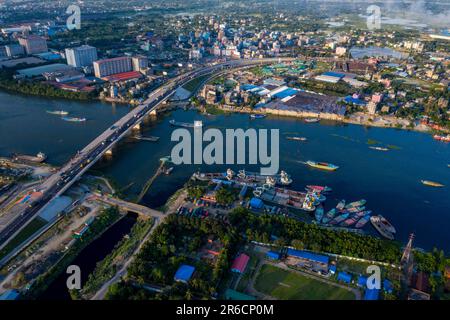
[23, 235]
[283, 284]
[195, 83]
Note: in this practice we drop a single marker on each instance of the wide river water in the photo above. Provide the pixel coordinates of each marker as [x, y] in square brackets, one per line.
[389, 181]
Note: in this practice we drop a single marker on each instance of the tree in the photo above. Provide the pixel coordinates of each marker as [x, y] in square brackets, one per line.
[298, 244]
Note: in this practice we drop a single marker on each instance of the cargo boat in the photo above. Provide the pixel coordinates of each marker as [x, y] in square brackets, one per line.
[339, 218]
[362, 222]
[258, 116]
[287, 198]
[296, 138]
[196, 124]
[322, 165]
[383, 226]
[246, 177]
[58, 112]
[354, 204]
[39, 158]
[319, 214]
[350, 221]
[432, 183]
[73, 119]
[312, 120]
[329, 216]
[355, 209]
[340, 205]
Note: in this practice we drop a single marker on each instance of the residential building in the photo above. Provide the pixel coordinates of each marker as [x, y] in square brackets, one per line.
[13, 50]
[103, 68]
[83, 56]
[140, 63]
[33, 44]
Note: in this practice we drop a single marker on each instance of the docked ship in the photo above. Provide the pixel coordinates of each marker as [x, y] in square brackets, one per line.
[356, 204]
[362, 222]
[329, 216]
[58, 112]
[312, 188]
[350, 221]
[442, 138]
[340, 205]
[196, 124]
[286, 198]
[257, 116]
[297, 138]
[74, 119]
[432, 183]
[340, 218]
[384, 227]
[319, 213]
[39, 158]
[322, 165]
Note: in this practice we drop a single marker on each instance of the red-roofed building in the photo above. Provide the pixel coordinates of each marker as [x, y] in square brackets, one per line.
[240, 263]
[124, 76]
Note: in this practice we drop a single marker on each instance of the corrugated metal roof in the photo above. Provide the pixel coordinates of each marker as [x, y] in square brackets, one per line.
[240, 263]
[308, 255]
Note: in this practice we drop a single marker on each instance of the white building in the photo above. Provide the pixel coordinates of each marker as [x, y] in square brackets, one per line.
[82, 56]
[103, 68]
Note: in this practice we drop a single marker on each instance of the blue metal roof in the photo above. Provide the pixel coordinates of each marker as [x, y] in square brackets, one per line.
[184, 273]
[9, 295]
[362, 281]
[308, 255]
[285, 93]
[334, 74]
[345, 277]
[256, 203]
[273, 255]
[371, 294]
[359, 102]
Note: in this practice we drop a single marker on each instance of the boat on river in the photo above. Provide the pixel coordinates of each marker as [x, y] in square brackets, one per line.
[362, 222]
[312, 188]
[73, 119]
[383, 226]
[297, 138]
[257, 116]
[355, 204]
[39, 158]
[312, 120]
[319, 213]
[58, 112]
[442, 138]
[329, 216]
[340, 205]
[379, 148]
[285, 198]
[340, 218]
[196, 124]
[322, 165]
[432, 183]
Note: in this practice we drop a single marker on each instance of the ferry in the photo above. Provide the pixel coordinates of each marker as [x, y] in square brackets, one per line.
[297, 138]
[39, 158]
[340, 205]
[74, 119]
[379, 148]
[362, 222]
[257, 116]
[319, 214]
[196, 124]
[442, 138]
[329, 216]
[58, 112]
[312, 120]
[432, 184]
[354, 204]
[322, 165]
[286, 198]
[384, 227]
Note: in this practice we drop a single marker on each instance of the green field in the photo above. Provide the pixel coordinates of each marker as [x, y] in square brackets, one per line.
[285, 285]
[195, 83]
[23, 235]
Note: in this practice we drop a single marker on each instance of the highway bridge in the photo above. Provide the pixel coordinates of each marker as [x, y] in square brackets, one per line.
[129, 206]
[69, 173]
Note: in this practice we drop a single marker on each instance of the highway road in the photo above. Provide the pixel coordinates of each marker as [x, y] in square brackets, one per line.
[69, 173]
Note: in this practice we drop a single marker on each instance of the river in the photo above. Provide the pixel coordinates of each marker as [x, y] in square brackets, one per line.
[389, 181]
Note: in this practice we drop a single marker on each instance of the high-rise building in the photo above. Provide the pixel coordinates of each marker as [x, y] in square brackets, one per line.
[13, 50]
[33, 44]
[139, 63]
[83, 56]
[103, 68]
